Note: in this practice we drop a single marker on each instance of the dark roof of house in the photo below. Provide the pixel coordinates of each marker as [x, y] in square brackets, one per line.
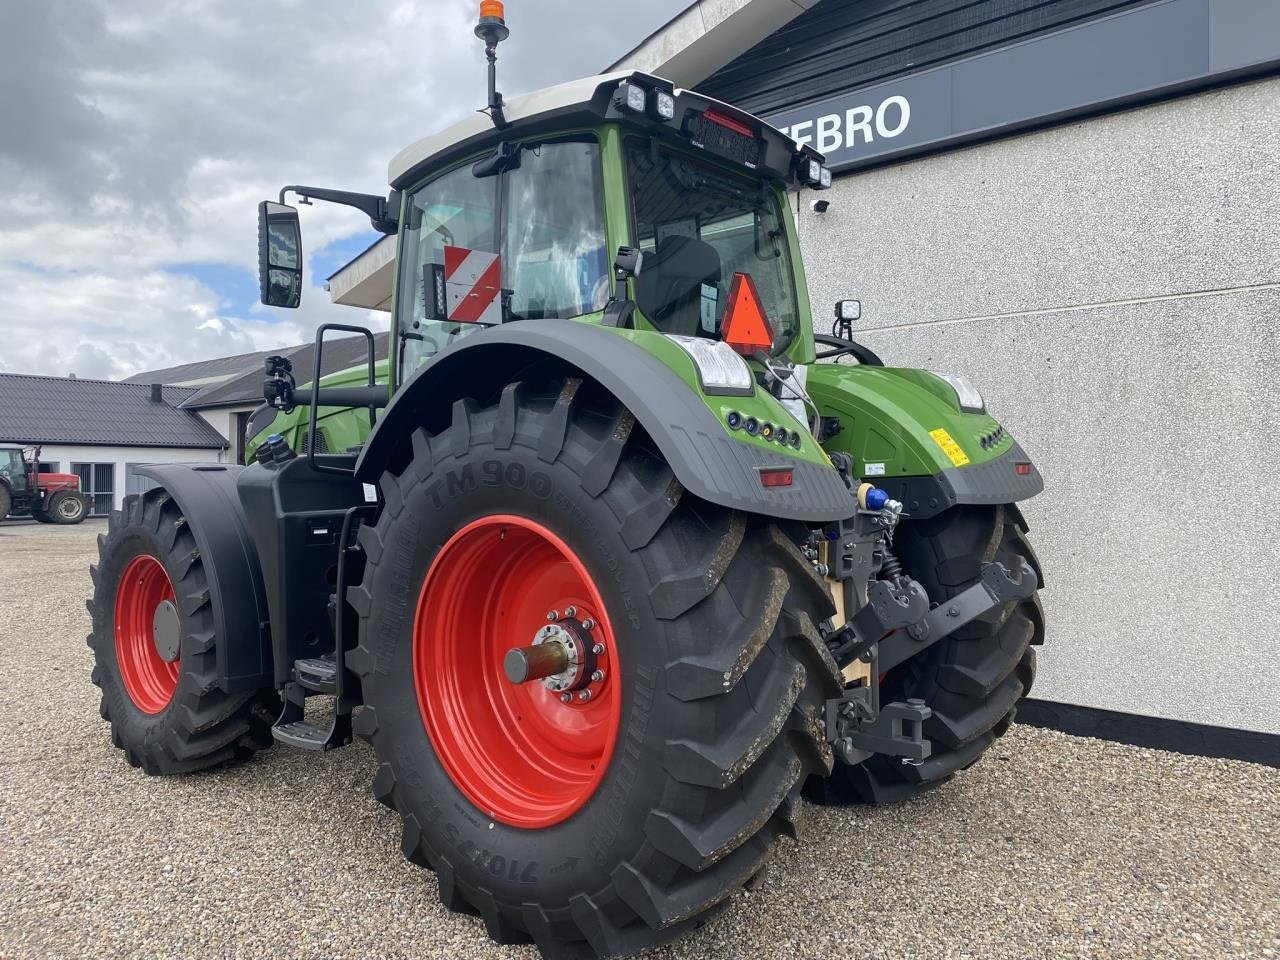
[220, 368]
[246, 387]
[239, 379]
[99, 412]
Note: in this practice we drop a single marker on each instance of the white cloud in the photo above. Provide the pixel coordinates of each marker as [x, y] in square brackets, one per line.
[139, 140]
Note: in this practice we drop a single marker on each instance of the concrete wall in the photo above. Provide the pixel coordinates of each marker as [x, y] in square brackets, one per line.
[65, 455]
[1113, 287]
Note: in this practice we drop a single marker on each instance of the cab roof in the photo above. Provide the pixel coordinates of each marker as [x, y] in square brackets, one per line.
[586, 101]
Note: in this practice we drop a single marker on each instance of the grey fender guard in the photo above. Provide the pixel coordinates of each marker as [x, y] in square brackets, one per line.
[705, 459]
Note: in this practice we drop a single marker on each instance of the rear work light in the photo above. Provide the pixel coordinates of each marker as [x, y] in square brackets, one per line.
[633, 97]
[664, 105]
[812, 172]
[775, 477]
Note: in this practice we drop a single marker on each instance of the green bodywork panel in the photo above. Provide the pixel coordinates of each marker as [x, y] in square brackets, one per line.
[341, 427]
[887, 416]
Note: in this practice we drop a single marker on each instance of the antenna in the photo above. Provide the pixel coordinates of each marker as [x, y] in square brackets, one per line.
[492, 29]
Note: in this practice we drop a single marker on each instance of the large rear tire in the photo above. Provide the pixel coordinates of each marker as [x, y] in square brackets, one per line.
[974, 679]
[155, 648]
[714, 676]
[6, 501]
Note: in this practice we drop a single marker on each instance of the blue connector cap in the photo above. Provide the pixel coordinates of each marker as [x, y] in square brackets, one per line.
[876, 499]
[275, 438]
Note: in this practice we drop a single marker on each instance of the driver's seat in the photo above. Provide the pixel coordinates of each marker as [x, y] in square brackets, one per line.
[669, 287]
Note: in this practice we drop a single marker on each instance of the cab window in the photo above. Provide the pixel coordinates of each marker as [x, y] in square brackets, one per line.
[545, 219]
[556, 265]
[455, 210]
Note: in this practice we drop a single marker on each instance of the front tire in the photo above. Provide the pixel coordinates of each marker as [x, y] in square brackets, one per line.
[714, 668]
[67, 507]
[155, 648]
[974, 678]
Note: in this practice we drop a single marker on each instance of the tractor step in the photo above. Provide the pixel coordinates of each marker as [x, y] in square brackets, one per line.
[317, 674]
[295, 730]
[302, 734]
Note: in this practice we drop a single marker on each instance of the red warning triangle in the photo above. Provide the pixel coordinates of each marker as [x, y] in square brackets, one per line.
[746, 326]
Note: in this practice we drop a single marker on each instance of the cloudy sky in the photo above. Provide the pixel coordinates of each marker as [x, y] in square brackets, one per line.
[137, 139]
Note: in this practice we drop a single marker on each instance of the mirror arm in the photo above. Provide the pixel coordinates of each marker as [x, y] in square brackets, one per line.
[377, 209]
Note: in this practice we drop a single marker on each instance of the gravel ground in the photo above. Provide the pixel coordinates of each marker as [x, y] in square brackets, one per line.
[1054, 846]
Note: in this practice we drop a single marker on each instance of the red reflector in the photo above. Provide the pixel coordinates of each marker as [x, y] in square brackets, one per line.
[1022, 469]
[746, 326]
[775, 477]
[737, 126]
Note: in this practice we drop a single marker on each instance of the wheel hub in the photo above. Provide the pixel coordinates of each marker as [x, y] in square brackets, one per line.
[165, 631]
[563, 657]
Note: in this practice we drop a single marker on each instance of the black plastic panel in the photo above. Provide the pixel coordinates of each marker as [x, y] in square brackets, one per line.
[838, 45]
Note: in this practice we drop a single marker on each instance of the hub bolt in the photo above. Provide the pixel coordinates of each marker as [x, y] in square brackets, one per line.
[552, 616]
[588, 624]
[566, 697]
[597, 676]
[571, 612]
[597, 648]
[584, 695]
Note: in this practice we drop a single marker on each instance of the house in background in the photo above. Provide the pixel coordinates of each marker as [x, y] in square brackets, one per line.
[104, 430]
[226, 391]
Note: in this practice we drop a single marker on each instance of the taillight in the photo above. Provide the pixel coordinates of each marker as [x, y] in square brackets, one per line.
[1022, 469]
[775, 477]
[728, 122]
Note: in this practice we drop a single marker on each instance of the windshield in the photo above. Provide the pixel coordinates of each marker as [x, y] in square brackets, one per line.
[697, 226]
[13, 468]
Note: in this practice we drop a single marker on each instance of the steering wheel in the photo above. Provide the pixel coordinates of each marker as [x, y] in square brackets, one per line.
[864, 355]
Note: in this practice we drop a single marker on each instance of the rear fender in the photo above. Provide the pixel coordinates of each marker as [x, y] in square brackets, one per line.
[206, 495]
[704, 458]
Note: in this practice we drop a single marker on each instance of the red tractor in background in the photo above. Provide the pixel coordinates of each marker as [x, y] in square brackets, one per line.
[25, 491]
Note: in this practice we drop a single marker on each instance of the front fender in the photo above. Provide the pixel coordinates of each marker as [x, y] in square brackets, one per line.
[907, 434]
[706, 460]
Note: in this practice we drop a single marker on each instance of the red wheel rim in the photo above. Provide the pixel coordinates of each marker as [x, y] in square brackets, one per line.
[148, 679]
[517, 751]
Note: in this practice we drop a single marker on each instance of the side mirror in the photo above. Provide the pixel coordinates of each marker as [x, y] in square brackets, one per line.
[279, 254]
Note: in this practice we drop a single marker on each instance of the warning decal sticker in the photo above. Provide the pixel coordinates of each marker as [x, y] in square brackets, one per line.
[472, 285]
[949, 447]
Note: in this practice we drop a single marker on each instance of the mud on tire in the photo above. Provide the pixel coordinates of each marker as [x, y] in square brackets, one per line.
[201, 726]
[974, 679]
[723, 676]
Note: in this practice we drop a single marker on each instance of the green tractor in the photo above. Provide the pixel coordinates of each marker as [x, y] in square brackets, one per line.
[608, 568]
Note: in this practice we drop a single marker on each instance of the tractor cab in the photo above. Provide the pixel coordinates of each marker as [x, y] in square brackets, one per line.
[13, 469]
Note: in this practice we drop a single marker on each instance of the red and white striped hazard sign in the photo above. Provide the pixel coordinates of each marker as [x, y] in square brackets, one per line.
[472, 286]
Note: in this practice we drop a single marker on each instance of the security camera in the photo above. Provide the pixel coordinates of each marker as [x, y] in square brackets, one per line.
[820, 205]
